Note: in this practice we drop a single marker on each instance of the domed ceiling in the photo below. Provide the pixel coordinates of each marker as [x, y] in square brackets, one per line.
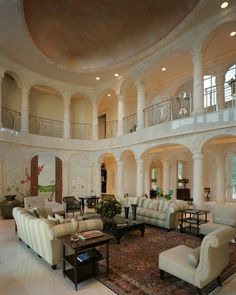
[95, 34]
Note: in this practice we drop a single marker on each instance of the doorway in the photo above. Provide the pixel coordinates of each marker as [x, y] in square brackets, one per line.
[49, 180]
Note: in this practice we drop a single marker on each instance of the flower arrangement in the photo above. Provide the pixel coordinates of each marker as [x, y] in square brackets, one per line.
[108, 209]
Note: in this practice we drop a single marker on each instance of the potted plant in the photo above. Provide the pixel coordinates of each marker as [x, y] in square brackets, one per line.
[108, 209]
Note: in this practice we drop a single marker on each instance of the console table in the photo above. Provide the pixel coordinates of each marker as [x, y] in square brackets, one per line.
[78, 271]
[193, 218]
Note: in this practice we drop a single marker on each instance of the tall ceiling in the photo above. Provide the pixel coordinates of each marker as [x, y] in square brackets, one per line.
[74, 41]
[89, 35]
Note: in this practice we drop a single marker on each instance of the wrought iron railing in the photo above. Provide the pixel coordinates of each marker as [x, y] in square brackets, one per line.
[81, 131]
[158, 113]
[46, 127]
[11, 119]
[130, 123]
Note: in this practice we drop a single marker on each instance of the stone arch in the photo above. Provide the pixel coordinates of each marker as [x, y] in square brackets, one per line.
[107, 110]
[42, 99]
[129, 172]
[108, 173]
[217, 36]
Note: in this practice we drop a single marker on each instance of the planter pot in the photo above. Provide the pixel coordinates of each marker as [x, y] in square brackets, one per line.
[8, 204]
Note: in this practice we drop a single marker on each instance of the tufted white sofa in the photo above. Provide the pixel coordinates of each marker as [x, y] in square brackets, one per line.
[160, 212]
[41, 235]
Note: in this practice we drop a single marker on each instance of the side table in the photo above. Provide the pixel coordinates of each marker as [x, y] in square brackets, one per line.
[193, 218]
[78, 271]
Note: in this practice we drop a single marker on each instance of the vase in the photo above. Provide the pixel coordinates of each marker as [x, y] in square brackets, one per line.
[8, 204]
[134, 210]
[126, 212]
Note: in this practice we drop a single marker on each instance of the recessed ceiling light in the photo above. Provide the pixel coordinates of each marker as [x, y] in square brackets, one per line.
[109, 94]
[232, 34]
[116, 75]
[163, 69]
[224, 4]
[98, 78]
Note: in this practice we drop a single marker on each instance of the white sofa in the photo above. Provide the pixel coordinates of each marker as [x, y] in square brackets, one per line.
[40, 234]
[160, 212]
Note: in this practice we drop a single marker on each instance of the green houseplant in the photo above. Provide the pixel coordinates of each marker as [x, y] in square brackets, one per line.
[108, 209]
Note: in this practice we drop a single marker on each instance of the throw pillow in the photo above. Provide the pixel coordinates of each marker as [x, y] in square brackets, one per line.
[60, 218]
[52, 220]
[193, 257]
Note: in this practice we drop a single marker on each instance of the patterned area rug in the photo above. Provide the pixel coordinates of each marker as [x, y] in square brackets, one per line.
[134, 264]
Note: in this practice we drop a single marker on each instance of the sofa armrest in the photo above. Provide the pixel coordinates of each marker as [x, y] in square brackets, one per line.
[172, 213]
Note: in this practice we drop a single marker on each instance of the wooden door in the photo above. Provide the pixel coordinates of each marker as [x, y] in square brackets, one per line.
[58, 182]
[102, 126]
[34, 176]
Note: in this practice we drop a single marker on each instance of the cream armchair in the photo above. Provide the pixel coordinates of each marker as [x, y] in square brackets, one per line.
[202, 265]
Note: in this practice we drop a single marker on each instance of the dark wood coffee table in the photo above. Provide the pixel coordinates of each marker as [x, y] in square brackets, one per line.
[118, 230]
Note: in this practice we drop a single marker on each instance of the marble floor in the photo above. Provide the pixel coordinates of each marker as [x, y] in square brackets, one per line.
[22, 272]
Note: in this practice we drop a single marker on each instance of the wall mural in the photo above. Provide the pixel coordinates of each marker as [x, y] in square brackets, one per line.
[46, 181]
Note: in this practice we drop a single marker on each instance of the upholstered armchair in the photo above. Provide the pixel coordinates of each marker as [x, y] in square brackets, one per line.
[202, 265]
[72, 205]
[222, 215]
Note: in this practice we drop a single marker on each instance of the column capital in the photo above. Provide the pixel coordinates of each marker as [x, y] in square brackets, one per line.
[25, 90]
[139, 85]
[139, 160]
[67, 102]
[120, 96]
[197, 156]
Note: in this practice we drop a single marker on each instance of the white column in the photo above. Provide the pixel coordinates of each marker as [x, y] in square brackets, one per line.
[140, 104]
[95, 122]
[166, 176]
[139, 180]
[120, 130]
[220, 179]
[25, 109]
[1, 78]
[198, 196]
[198, 97]
[97, 179]
[220, 90]
[120, 179]
[66, 118]
[1, 178]
[147, 178]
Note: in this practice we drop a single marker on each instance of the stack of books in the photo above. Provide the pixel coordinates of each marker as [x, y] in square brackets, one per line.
[90, 234]
[89, 255]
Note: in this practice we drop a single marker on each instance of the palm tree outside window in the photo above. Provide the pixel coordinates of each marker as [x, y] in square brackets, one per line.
[230, 75]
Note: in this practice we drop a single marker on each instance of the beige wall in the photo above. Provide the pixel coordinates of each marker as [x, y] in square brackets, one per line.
[81, 111]
[46, 105]
[11, 94]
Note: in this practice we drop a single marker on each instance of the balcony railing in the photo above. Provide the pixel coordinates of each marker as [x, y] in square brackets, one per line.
[130, 123]
[158, 113]
[11, 119]
[81, 131]
[108, 130]
[46, 127]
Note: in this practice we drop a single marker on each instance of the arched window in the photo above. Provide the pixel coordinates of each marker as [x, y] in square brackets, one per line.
[230, 75]
[210, 92]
